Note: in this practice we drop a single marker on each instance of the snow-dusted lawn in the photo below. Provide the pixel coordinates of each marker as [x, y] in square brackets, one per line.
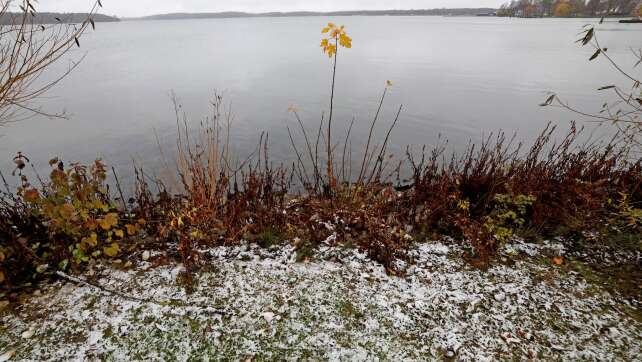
[256, 304]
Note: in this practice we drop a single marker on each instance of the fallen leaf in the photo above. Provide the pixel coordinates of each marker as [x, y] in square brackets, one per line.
[28, 333]
[268, 316]
[558, 260]
[7, 355]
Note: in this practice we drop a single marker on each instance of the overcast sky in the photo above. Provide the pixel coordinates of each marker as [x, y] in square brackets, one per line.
[128, 8]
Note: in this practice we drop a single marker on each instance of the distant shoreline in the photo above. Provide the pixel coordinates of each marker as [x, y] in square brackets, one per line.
[474, 12]
[55, 18]
[228, 15]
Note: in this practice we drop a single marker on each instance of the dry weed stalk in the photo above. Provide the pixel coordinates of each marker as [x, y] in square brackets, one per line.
[27, 50]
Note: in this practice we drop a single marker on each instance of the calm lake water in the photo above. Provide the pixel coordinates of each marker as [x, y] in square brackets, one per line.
[460, 77]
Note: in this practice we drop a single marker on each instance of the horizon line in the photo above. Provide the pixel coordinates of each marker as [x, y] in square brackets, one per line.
[295, 11]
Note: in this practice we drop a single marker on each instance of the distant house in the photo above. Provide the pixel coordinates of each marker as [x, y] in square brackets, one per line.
[570, 8]
[637, 11]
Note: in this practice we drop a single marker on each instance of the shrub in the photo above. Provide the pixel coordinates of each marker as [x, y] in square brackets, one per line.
[65, 222]
[507, 216]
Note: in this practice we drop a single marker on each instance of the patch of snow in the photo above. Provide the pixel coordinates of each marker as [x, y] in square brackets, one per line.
[28, 333]
[344, 309]
[268, 316]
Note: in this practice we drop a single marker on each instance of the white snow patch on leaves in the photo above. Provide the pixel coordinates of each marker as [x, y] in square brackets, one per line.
[269, 307]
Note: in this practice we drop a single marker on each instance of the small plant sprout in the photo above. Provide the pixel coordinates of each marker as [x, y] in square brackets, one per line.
[336, 37]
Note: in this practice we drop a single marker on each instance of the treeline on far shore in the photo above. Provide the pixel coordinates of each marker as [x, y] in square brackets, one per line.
[53, 18]
[571, 8]
[412, 12]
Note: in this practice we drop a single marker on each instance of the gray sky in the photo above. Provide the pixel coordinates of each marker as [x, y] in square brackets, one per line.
[128, 8]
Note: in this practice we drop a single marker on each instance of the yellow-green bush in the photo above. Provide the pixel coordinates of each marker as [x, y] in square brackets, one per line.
[69, 219]
[509, 215]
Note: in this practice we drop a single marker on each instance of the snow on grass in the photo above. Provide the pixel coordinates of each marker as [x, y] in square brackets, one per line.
[261, 304]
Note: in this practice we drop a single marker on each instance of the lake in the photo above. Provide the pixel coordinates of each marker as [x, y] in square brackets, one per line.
[459, 77]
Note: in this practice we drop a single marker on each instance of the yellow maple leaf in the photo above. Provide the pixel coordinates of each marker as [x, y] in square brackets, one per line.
[119, 233]
[112, 250]
[89, 242]
[337, 36]
[104, 224]
[345, 41]
[131, 229]
[67, 211]
[110, 220]
[331, 50]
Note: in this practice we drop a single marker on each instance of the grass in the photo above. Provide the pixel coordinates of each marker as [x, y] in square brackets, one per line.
[331, 312]
[348, 311]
